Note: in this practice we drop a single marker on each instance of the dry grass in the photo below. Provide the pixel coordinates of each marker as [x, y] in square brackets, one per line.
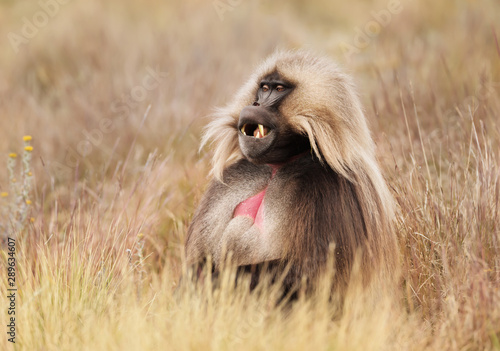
[430, 83]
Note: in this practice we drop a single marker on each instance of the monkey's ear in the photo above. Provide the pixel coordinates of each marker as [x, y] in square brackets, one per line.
[222, 134]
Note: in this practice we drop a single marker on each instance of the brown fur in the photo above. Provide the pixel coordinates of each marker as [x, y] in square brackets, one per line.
[336, 195]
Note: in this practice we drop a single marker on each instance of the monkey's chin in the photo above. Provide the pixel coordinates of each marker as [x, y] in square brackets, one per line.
[257, 150]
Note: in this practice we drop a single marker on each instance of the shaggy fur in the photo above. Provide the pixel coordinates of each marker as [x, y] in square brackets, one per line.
[334, 195]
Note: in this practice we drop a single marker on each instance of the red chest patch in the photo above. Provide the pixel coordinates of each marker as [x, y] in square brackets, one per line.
[253, 208]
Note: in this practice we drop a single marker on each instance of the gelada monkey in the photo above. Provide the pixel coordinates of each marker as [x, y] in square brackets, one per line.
[295, 174]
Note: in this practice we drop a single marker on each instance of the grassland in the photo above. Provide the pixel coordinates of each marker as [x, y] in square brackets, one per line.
[114, 95]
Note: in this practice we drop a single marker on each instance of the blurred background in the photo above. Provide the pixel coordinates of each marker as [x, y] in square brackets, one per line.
[66, 66]
[79, 76]
[115, 95]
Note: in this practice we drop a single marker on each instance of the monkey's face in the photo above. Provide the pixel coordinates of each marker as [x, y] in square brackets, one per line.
[264, 134]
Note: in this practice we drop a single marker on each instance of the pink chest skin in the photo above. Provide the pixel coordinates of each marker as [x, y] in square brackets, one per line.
[253, 207]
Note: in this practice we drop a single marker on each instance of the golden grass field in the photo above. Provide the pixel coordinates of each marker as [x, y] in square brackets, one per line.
[115, 95]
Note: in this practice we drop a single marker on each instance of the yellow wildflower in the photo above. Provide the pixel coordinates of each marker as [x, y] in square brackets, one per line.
[4, 194]
[12, 155]
[30, 174]
[14, 180]
[32, 219]
[28, 148]
[140, 235]
[27, 137]
[28, 202]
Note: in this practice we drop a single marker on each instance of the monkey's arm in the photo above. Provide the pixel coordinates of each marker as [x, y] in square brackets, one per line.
[205, 221]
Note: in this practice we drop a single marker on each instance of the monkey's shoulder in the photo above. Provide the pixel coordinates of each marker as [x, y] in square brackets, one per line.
[307, 170]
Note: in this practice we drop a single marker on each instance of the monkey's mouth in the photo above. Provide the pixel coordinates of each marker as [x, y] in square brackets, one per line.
[256, 130]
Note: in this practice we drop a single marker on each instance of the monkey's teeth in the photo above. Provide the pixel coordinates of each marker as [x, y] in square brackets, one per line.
[261, 129]
[257, 134]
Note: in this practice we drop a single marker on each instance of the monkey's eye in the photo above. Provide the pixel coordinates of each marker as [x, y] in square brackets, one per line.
[280, 88]
[265, 87]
